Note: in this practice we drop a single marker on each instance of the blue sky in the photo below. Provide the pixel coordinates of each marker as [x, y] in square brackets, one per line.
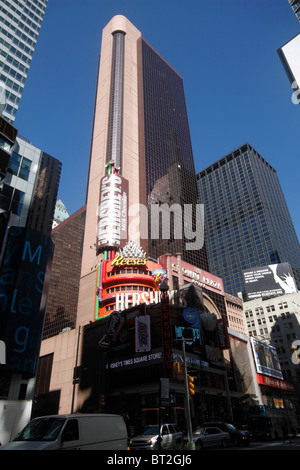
[226, 51]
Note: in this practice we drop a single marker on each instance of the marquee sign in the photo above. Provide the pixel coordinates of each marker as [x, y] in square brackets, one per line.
[112, 228]
[193, 274]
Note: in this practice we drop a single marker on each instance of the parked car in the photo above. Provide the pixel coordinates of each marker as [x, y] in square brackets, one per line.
[72, 432]
[209, 436]
[237, 436]
[170, 434]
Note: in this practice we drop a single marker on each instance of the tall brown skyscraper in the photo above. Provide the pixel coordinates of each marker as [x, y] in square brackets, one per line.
[141, 125]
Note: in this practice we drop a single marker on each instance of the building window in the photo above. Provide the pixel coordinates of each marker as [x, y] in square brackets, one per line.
[19, 166]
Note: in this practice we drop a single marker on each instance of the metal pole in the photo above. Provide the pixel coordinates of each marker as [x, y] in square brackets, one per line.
[159, 417]
[189, 423]
[227, 389]
[75, 378]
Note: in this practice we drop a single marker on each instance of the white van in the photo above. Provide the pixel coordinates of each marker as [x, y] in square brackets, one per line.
[72, 432]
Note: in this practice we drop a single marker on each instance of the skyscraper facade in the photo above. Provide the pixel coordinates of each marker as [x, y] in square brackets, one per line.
[166, 152]
[141, 127]
[61, 307]
[42, 208]
[247, 220]
[60, 213]
[295, 4]
[29, 189]
[20, 23]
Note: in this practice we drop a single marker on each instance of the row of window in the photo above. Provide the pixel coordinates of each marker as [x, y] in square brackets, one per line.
[129, 271]
[12, 73]
[19, 33]
[16, 52]
[11, 60]
[16, 42]
[37, 7]
[20, 24]
[19, 166]
[269, 308]
[262, 332]
[271, 318]
[125, 288]
[22, 16]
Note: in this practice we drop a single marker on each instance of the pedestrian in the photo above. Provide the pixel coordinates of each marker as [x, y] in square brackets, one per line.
[285, 433]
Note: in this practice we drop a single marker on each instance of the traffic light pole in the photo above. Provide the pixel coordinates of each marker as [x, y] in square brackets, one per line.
[188, 409]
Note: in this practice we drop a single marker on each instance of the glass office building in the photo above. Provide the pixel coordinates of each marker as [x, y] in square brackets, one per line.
[247, 221]
[20, 23]
[170, 176]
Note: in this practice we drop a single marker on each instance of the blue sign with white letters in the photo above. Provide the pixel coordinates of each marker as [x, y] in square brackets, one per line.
[24, 281]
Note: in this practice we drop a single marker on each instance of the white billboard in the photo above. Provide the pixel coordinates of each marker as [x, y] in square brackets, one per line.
[290, 58]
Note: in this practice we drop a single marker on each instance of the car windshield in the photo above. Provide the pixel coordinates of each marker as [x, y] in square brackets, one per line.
[230, 427]
[42, 429]
[199, 431]
[151, 430]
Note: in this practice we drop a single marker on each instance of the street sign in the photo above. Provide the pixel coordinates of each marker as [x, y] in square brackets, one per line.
[190, 314]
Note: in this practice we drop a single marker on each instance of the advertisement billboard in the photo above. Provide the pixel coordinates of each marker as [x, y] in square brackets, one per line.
[266, 359]
[112, 227]
[24, 282]
[142, 333]
[269, 281]
[289, 56]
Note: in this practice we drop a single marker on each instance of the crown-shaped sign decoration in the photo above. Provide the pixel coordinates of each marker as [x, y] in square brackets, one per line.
[132, 250]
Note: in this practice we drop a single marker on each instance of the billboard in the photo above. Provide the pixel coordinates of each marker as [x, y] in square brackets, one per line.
[269, 281]
[112, 226]
[266, 359]
[24, 281]
[289, 56]
[142, 333]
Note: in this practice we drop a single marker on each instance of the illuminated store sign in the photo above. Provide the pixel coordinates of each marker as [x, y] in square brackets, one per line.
[121, 261]
[113, 208]
[130, 299]
[270, 382]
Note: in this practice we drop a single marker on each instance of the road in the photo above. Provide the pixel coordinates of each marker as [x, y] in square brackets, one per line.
[271, 445]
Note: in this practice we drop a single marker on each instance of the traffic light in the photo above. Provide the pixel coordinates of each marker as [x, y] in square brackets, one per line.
[177, 371]
[102, 401]
[191, 385]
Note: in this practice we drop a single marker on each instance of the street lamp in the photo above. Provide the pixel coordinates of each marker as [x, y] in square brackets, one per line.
[185, 338]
